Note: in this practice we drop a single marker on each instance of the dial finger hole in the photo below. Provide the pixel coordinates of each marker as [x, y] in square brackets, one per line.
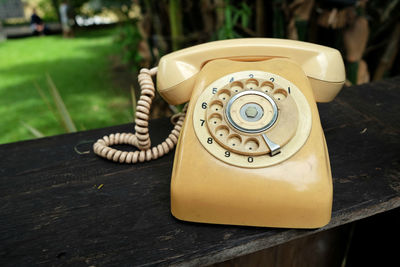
[280, 94]
[224, 94]
[251, 84]
[222, 131]
[234, 140]
[215, 119]
[251, 145]
[267, 87]
[216, 106]
[236, 87]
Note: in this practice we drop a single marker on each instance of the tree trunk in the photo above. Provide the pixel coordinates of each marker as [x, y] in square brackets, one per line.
[175, 21]
[2, 34]
[260, 15]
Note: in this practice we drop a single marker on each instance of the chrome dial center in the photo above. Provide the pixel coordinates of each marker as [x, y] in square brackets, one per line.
[251, 111]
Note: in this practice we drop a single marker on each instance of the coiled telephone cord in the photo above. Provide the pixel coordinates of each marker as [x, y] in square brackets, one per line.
[141, 138]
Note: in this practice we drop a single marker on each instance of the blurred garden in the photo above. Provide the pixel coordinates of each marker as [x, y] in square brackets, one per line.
[59, 76]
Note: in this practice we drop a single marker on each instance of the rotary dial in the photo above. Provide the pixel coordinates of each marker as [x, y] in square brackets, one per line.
[248, 118]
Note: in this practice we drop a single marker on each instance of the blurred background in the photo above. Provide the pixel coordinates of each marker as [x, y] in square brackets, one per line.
[67, 66]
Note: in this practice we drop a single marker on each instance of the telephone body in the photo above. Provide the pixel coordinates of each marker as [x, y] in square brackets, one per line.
[252, 150]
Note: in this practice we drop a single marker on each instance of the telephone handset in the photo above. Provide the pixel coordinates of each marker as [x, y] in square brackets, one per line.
[322, 65]
[251, 150]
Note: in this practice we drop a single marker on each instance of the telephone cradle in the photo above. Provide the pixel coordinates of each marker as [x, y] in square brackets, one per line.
[250, 145]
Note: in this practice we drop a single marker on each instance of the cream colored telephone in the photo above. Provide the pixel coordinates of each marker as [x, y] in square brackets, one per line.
[251, 150]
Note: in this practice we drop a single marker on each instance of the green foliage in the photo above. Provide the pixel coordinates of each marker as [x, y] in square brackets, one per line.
[76, 5]
[233, 16]
[48, 9]
[32, 130]
[81, 70]
[127, 39]
[92, 7]
[63, 114]
[118, 6]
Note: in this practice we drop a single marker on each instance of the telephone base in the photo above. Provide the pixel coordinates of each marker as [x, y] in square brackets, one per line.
[295, 192]
[298, 200]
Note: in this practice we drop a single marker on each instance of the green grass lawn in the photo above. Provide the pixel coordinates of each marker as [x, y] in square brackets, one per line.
[81, 70]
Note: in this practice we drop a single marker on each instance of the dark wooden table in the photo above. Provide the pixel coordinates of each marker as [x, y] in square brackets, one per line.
[59, 207]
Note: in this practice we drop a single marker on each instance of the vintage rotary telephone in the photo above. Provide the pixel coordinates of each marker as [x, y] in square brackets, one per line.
[251, 150]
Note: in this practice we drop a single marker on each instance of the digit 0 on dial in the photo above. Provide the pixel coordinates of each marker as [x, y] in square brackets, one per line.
[251, 119]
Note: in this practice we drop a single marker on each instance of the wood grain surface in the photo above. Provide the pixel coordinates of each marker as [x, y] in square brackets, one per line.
[61, 207]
